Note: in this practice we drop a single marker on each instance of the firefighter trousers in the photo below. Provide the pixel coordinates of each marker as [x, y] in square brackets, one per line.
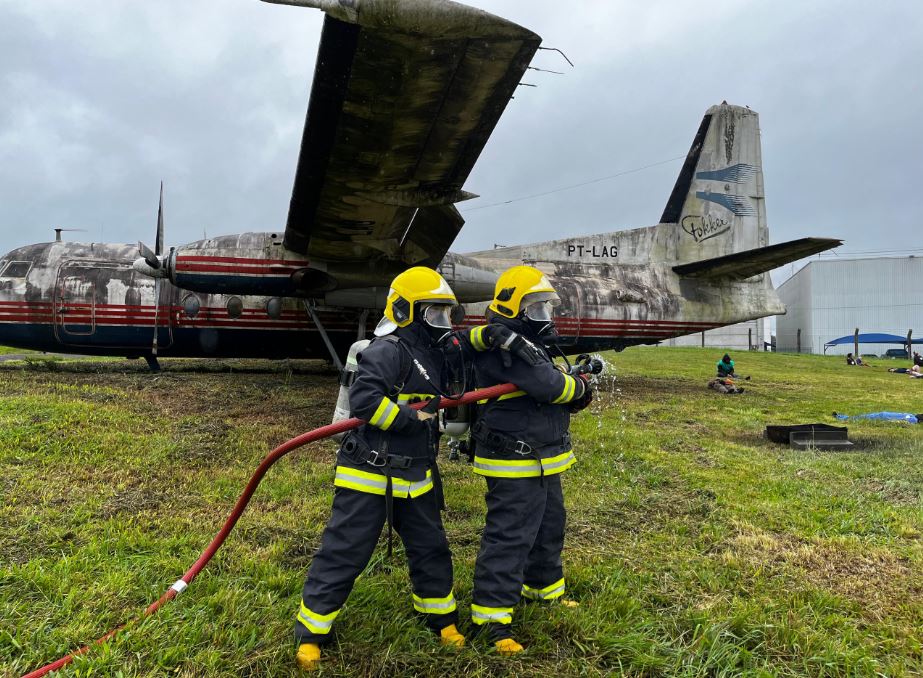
[347, 544]
[520, 554]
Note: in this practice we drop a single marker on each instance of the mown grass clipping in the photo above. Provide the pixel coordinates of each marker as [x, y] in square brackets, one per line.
[695, 547]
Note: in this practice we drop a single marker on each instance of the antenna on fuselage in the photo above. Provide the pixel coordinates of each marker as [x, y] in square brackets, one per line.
[59, 231]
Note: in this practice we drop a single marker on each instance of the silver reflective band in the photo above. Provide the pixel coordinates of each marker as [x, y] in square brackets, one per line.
[563, 462]
[314, 625]
[530, 468]
[435, 605]
[179, 586]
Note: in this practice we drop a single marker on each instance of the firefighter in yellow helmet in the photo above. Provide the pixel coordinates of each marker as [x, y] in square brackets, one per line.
[386, 470]
[522, 445]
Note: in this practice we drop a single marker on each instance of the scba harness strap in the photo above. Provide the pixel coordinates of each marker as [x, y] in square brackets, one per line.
[359, 451]
[500, 442]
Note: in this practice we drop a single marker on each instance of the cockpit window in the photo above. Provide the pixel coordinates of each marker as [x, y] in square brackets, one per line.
[16, 269]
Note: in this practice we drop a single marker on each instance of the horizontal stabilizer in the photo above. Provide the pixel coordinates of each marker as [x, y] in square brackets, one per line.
[746, 264]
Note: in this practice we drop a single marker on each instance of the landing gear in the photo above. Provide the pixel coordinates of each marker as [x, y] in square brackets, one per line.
[152, 363]
[323, 334]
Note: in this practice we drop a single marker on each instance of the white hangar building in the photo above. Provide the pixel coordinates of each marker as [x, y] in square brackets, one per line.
[830, 298]
[739, 337]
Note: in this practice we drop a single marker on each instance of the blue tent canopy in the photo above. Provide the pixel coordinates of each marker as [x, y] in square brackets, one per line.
[873, 338]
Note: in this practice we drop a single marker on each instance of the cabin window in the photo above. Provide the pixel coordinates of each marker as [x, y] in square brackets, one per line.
[191, 305]
[16, 269]
[235, 307]
[274, 308]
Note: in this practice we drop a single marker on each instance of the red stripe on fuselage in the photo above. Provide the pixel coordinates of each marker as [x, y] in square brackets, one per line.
[243, 260]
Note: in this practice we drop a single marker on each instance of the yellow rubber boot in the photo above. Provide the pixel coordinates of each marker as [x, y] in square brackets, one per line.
[508, 646]
[451, 637]
[308, 656]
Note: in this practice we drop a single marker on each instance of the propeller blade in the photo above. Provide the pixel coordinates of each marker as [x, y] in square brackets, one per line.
[158, 246]
[150, 258]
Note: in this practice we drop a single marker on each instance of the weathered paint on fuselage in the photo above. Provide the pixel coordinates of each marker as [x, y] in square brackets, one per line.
[86, 298]
[618, 289]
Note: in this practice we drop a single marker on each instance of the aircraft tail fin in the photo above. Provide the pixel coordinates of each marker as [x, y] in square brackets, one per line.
[746, 264]
[718, 201]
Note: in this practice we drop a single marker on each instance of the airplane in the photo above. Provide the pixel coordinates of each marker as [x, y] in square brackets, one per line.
[404, 98]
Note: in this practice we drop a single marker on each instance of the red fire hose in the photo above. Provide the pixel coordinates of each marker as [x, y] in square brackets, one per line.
[241, 505]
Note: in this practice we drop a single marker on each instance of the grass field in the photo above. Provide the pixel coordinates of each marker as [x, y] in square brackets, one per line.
[695, 547]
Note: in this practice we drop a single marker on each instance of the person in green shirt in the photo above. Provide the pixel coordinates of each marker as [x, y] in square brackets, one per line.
[726, 366]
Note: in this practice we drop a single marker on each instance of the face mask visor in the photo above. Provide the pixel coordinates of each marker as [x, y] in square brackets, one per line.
[438, 316]
[539, 306]
[437, 319]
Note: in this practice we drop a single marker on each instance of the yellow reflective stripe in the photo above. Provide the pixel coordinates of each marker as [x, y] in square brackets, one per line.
[385, 414]
[505, 462]
[379, 414]
[558, 464]
[392, 415]
[476, 336]
[422, 487]
[435, 605]
[481, 614]
[527, 468]
[567, 394]
[550, 592]
[316, 623]
[376, 483]
[506, 468]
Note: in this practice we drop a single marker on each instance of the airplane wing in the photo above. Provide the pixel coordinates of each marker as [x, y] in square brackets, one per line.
[405, 96]
[746, 264]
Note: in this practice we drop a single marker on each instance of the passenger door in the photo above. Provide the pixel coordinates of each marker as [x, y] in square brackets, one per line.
[75, 304]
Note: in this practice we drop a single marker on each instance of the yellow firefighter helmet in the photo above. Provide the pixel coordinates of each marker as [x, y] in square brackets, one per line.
[415, 285]
[519, 287]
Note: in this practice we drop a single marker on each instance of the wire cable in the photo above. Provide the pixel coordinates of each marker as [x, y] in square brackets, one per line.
[573, 186]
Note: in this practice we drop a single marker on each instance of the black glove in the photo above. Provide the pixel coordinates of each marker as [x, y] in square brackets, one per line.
[496, 334]
[511, 343]
[583, 401]
[432, 406]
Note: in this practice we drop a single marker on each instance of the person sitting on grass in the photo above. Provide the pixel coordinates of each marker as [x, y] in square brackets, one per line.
[724, 386]
[725, 366]
[855, 361]
[917, 359]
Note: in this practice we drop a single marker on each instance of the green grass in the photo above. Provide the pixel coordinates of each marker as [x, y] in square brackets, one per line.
[695, 547]
[4, 350]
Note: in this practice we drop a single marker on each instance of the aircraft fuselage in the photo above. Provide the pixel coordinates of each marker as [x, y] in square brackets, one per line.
[89, 299]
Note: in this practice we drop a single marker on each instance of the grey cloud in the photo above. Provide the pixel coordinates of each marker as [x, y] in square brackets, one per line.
[102, 99]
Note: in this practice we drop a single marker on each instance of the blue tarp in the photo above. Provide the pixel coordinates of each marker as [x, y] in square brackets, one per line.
[883, 416]
[873, 338]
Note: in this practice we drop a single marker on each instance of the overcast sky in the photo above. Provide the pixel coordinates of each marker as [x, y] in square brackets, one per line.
[101, 99]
